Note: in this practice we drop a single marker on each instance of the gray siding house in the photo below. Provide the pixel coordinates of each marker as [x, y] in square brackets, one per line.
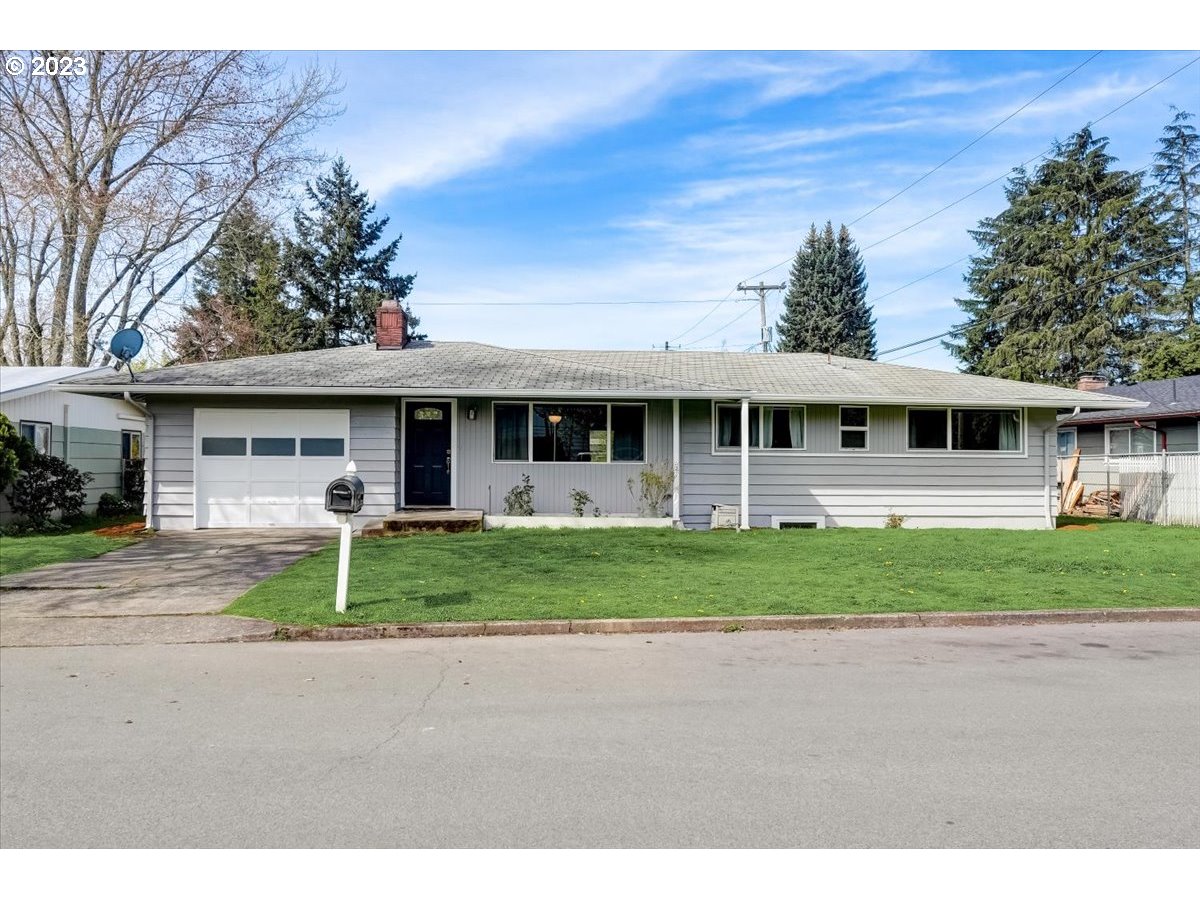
[1169, 418]
[93, 434]
[799, 439]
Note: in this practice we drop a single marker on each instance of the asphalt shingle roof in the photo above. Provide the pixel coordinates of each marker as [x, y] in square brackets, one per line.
[472, 368]
[1170, 397]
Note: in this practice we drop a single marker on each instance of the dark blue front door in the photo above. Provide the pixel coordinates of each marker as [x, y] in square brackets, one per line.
[427, 454]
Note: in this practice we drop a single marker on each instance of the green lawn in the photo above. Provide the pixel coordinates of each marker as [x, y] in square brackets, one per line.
[31, 551]
[626, 573]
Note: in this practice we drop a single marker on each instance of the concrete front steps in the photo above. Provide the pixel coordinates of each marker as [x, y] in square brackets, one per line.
[417, 521]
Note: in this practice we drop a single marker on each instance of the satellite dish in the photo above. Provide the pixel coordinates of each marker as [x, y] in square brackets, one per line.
[126, 344]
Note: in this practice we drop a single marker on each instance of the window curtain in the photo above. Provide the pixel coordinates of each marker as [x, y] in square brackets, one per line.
[1010, 431]
[727, 420]
[512, 433]
[768, 425]
[796, 426]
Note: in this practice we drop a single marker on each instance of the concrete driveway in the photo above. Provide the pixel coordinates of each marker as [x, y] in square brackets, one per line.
[154, 591]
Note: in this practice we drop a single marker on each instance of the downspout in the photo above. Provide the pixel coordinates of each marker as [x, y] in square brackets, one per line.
[148, 465]
[1051, 506]
[676, 511]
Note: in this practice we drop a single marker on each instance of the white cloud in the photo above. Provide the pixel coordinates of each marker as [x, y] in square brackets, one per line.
[449, 115]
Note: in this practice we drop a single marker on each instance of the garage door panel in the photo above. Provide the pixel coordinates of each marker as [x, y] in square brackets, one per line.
[315, 514]
[274, 469]
[273, 513]
[224, 515]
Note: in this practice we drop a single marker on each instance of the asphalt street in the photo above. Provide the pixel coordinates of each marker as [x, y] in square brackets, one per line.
[1045, 736]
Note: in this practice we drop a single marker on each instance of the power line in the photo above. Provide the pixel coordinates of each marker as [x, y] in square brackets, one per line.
[967, 147]
[1041, 155]
[437, 303]
[940, 269]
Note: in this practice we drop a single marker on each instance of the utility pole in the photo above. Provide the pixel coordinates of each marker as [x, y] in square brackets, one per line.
[761, 289]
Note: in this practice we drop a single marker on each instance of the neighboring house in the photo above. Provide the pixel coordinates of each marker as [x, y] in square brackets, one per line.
[830, 441]
[93, 434]
[1169, 421]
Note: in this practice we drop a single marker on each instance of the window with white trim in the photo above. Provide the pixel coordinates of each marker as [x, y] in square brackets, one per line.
[569, 432]
[771, 427]
[38, 434]
[1068, 440]
[853, 424]
[968, 429]
[1123, 440]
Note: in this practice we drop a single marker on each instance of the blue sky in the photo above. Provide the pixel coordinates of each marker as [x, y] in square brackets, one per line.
[566, 179]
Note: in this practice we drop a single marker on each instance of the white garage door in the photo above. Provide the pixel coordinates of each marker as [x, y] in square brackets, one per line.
[257, 467]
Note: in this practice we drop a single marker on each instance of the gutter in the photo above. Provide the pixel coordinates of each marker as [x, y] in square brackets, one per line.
[148, 467]
[625, 393]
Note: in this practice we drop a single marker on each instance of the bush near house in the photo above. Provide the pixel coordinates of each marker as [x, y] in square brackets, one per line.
[48, 485]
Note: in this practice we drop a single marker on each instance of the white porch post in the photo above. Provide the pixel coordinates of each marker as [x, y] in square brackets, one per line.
[744, 517]
[676, 511]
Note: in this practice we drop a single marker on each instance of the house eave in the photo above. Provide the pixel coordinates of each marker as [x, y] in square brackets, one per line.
[1115, 403]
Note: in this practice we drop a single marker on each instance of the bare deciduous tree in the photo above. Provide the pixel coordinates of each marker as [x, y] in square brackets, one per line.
[115, 182]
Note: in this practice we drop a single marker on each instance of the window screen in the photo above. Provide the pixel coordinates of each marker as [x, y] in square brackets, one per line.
[628, 433]
[511, 431]
[927, 429]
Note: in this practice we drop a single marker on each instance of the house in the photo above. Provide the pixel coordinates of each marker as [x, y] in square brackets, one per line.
[95, 434]
[786, 439]
[1169, 422]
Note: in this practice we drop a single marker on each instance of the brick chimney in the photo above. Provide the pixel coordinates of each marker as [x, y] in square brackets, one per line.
[1091, 382]
[391, 326]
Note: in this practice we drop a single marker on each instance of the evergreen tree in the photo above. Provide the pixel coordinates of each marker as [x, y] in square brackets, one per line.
[240, 308]
[1171, 346]
[825, 307]
[339, 274]
[1177, 171]
[1051, 293]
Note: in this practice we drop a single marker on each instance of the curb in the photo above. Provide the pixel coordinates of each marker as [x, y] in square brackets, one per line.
[735, 623]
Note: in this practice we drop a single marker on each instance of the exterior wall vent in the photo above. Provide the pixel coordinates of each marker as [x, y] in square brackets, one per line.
[797, 522]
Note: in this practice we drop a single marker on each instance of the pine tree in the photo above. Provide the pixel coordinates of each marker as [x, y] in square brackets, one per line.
[339, 274]
[825, 307]
[240, 307]
[1067, 277]
[1177, 171]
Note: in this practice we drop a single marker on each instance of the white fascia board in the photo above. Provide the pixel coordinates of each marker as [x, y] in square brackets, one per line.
[558, 394]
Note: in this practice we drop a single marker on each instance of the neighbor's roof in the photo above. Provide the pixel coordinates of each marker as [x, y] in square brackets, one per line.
[471, 369]
[1170, 397]
[17, 381]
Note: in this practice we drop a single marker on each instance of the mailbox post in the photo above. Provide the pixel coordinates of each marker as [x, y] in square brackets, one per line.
[344, 497]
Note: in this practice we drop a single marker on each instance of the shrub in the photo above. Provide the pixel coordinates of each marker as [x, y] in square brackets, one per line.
[46, 485]
[579, 501]
[894, 520]
[111, 505]
[653, 487]
[519, 500]
[15, 452]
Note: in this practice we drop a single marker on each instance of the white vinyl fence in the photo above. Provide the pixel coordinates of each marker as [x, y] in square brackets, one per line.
[1163, 488]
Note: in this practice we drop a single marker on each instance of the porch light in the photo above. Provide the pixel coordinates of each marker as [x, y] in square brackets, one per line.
[472, 412]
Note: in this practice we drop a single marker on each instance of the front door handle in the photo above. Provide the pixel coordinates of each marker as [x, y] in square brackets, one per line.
[447, 462]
